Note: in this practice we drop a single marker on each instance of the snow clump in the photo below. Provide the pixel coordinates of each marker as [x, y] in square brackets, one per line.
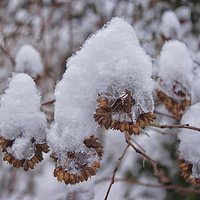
[20, 116]
[28, 60]
[190, 139]
[112, 58]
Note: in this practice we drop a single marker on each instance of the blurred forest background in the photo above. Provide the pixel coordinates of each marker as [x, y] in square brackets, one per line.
[56, 29]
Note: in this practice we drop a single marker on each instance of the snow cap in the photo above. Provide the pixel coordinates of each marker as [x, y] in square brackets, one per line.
[28, 60]
[112, 57]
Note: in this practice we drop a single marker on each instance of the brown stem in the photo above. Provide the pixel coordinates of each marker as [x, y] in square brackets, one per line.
[115, 170]
[48, 102]
[158, 186]
[157, 173]
[187, 126]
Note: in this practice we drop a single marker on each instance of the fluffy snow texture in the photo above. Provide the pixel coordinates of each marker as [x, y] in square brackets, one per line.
[196, 80]
[190, 139]
[170, 27]
[20, 114]
[28, 60]
[183, 13]
[176, 65]
[111, 57]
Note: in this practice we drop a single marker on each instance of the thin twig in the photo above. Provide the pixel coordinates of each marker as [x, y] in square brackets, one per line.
[48, 102]
[9, 56]
[115, 170]
[158, 186]
[4, 47]
[174, 134]
[157, 173]
[187, 126]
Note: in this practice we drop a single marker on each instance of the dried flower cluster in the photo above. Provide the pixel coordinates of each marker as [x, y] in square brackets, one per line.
[176, 106]
[186, 172]
[116, 113]
[27, 163]
[173, 87]
[78, 166]
[23, 125]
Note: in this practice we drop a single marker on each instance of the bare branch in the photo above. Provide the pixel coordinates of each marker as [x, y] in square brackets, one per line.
[158, 186]
[115, 170]
[7, 53]
[187, 126]
[157, 173]
[48, 102]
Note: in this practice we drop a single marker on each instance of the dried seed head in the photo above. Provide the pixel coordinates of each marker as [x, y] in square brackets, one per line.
[93, 142]
[4, 143]
[79, 166]
[173, 106]
[186, 172]
[26, 163]
[117, 113]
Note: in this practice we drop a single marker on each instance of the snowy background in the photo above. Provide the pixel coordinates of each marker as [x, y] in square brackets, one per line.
[57, 49]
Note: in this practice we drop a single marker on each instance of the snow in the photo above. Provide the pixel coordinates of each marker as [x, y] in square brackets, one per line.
[22, 16]
[190, 139]
[20, 114]
[28, 60]
[57, 34]
[108, 58]
[183, 13]
[196, 80]
[13, 5]
[170, 26]
[175, 62]
[22, 148]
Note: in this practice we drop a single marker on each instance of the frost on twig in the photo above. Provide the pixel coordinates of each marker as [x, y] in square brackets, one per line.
[28, 60]
[175, 78]
[22, 124]
[189, 152]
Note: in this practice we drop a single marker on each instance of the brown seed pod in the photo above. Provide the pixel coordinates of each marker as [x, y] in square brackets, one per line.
[85, 170]
[68, 178]
[4, 143]
[24, 163]
[93, 142]
[186, 172]
[177, 109]
[121, 105]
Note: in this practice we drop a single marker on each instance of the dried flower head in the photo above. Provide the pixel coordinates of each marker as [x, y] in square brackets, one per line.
[175, 78]
[178, 103]
[29, 161]
[112, 64]
[189, 152]
[76, 166]
[186, 172]
[120, 112]
[23, 125]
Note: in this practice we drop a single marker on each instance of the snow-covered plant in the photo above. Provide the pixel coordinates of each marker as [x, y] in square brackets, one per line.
[173, 86]
[112, 67]
[189, 153]
[124, 79]
[22, 124]
[170, 26]
[106, 88]
[28, 60]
